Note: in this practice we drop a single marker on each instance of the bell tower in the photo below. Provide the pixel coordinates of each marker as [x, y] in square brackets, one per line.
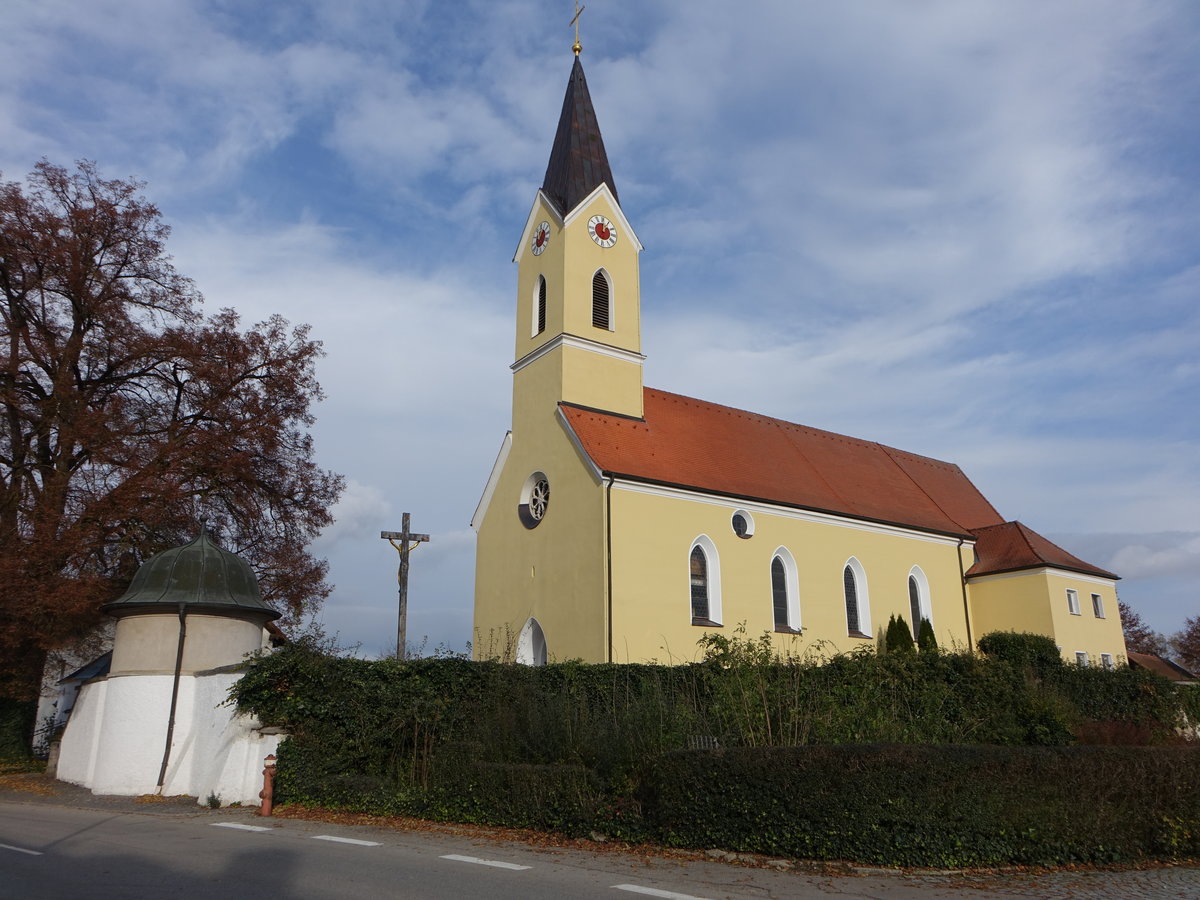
[578, 334]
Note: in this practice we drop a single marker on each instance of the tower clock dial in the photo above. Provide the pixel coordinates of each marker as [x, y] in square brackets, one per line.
[541, 238]
[603, 231]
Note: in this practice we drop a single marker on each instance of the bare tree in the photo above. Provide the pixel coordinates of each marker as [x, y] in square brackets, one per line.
[1138, 636]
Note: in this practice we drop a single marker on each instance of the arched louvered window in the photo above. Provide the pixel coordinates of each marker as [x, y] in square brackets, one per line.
[779, 594]
[699, 576]
[601, 301]
[851, 587]
[914, 603]
[541, 305]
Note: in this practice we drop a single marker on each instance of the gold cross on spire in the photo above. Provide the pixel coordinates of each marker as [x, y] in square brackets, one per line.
[575, 21]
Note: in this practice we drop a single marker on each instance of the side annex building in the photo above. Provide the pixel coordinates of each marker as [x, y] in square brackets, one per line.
[621, 523]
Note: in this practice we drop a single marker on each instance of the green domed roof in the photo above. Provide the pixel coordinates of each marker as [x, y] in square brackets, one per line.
[199, 575]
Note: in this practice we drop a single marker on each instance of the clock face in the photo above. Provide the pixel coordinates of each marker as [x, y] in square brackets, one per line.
[541, 238]
[603, 232]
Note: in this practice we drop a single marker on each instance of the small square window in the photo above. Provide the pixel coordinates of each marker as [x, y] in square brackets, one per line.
[1097, 606]
[1081, 659]
[1106, 660]
[1073, 602]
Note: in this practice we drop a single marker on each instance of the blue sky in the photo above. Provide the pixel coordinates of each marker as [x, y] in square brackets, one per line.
[966, 228]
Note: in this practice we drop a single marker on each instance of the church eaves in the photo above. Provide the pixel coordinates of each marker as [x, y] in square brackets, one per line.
[578, 163]
[689, 443]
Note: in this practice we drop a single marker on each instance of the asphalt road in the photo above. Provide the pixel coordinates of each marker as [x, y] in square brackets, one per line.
[50, 851]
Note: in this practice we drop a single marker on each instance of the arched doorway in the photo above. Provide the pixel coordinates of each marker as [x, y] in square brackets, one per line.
[531, 645]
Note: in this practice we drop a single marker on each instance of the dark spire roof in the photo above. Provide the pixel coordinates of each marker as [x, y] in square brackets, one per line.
[578, 163]
[201, 576]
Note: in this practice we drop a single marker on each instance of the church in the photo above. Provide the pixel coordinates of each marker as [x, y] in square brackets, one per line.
[622, 523]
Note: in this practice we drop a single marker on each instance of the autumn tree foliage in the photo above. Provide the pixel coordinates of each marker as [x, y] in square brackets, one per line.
[127, 416]
[1139, 637]
[1186, 645]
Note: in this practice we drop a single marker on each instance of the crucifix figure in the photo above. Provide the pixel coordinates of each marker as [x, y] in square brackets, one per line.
[405, 542]
[575, 21]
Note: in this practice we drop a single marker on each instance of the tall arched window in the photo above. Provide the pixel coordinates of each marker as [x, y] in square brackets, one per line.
[919, 604]
[779, 593]
[601, 301]
[858, 610]
[785, 592]
[699, 575]
[704, 578]
[851, 588]
[541, 305]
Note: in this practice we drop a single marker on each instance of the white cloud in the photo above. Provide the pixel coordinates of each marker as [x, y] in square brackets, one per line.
[1174, 554]
[356, 516]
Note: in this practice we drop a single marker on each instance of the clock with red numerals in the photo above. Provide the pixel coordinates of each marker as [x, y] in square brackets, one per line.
[603, 232]
[541, 238]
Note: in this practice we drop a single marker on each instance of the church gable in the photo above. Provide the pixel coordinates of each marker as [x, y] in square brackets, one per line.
[691, 443]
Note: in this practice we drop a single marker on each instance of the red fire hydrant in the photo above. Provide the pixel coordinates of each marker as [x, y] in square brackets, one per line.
[268, 792]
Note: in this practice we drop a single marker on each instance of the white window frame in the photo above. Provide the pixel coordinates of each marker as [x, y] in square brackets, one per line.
[1073, 602]
[862, 595]
[1106, 660]
[1081, 659]
[1098, 606]
[792, 580]
[924, 600]
[713, 561]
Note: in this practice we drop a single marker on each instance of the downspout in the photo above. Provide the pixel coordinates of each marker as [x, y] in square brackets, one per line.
[962, 579]
[608, 560]
[162, 772]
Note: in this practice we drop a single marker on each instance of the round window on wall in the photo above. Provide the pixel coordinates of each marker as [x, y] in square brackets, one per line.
[535, 500]
[743, 524]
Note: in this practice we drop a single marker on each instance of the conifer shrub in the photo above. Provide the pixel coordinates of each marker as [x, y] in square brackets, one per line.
[898, 638]
[926, 640]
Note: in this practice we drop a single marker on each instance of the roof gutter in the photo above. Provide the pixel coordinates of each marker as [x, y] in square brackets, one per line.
[608, 559]
[962, 580]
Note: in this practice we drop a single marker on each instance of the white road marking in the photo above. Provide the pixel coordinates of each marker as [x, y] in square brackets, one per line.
[20, 850]
[654, 892]
[342, 840]
[485, 862]
[240, 826]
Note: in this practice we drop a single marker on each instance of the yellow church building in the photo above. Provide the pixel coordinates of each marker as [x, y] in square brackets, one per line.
[622, 523]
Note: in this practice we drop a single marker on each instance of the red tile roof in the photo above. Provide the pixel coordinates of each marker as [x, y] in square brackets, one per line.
[1160, 666]
[719, 449]
[1011, 546]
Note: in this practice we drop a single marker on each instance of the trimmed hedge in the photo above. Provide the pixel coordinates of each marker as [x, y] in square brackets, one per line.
[578, 748]
[932, 806]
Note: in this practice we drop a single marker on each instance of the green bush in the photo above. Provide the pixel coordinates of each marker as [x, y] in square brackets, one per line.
[931, 806]
[573, 747]
[16, 727]
[1033, 651]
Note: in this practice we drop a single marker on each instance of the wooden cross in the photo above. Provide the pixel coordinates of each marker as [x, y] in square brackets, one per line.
[575, 21]
[404, 541]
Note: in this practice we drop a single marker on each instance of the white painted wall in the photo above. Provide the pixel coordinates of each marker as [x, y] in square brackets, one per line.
[114, 739]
